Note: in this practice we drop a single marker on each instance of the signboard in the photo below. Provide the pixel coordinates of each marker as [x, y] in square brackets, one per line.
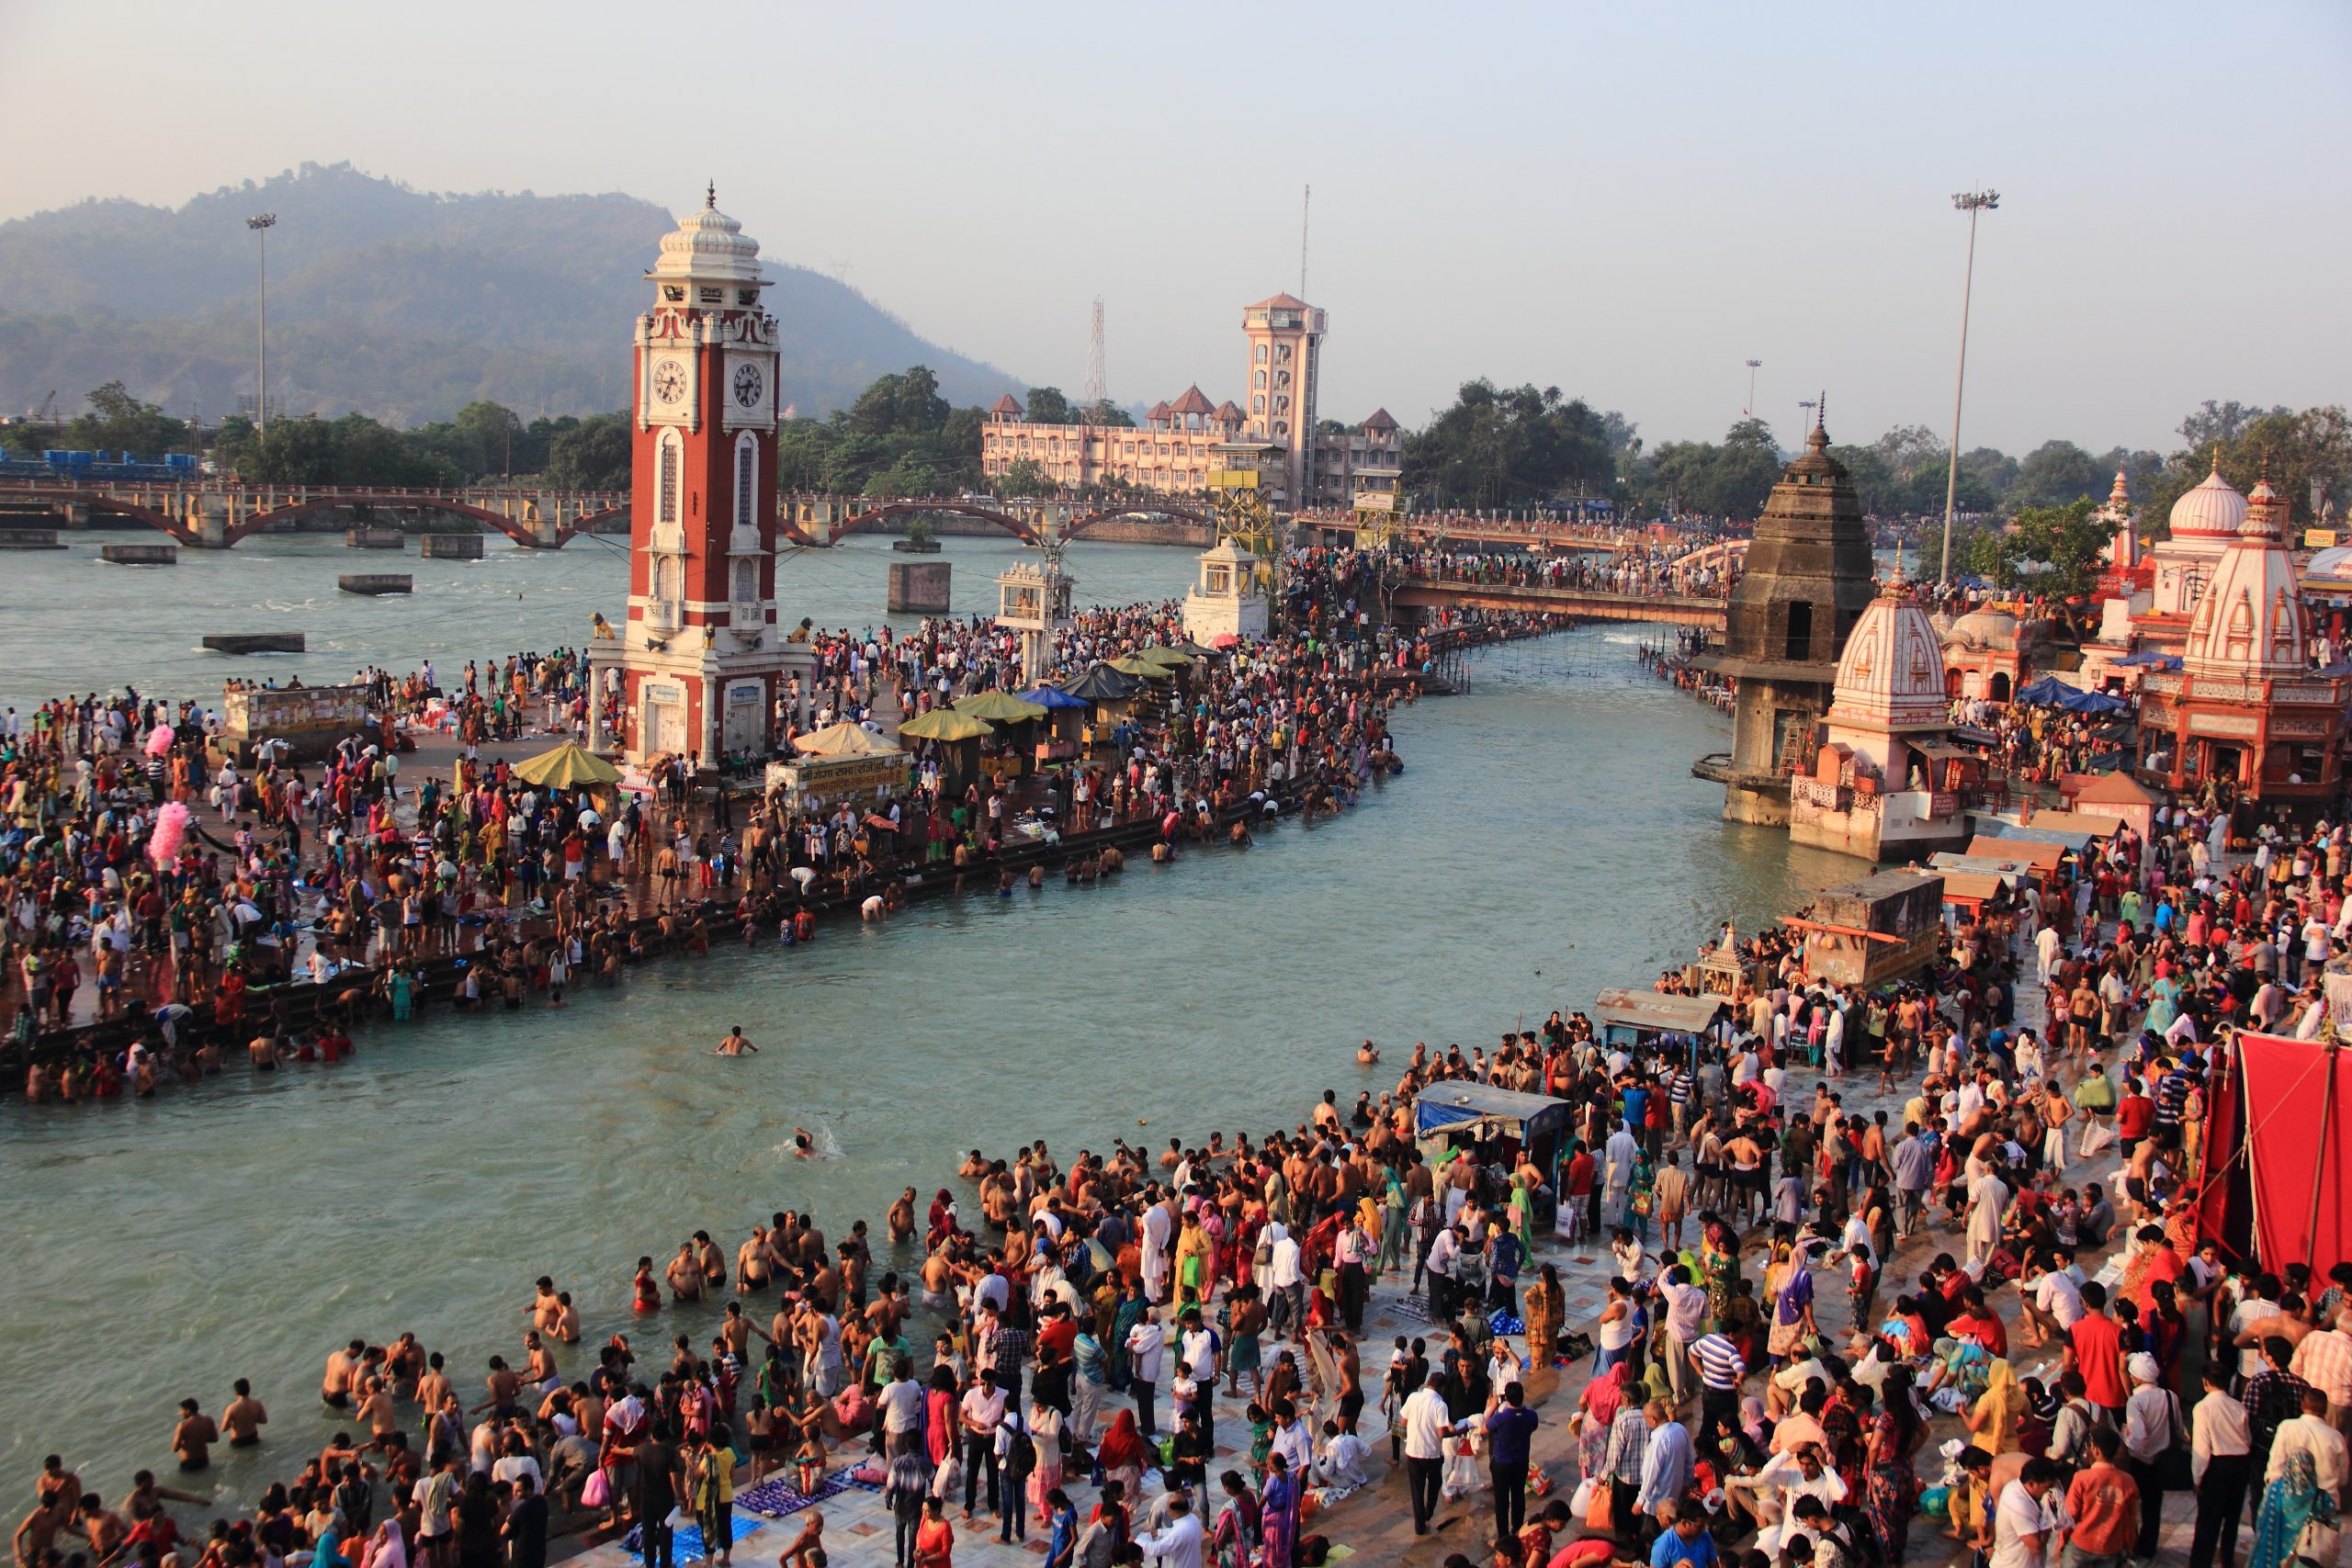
[812, 780]
[2318, 539]
[249, 713]
[1233, 479]
[1375, 501]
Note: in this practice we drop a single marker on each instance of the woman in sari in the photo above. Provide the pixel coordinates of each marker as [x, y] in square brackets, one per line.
[1889, 1487]
[1238, 1524]
[1792, 1304]
[1993, 1419]
[1719, 1258]
[1121, 1456]
[1192, 1260]
[1602, 1397]
[2288, 1503]
[1544, 1304]
[388, 1548]
[327, 1551]
[1278, 1514]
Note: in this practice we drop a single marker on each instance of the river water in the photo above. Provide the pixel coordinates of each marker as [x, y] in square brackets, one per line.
[1546, 840]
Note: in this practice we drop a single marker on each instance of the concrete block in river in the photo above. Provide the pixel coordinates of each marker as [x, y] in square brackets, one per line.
[919, 588]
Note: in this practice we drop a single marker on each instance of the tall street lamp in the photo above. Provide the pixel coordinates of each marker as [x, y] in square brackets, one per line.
[1750, 409]
[261, 227]
[1971, 202]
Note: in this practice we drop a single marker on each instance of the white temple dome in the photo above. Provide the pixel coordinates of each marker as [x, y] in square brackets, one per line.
[1983, 628]
[709, 246]
[1891, 676]
[2213, 510]
[2250, 622]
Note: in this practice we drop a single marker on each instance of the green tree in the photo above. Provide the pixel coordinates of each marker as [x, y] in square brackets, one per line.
[1023, 477]
[595, 453]
[116, 422]
[2307, 456]
[1521, 448]
[2055, 473]
[1046, 405]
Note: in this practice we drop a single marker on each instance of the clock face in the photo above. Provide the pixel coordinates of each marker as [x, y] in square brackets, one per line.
[669, 380]
[748, 384]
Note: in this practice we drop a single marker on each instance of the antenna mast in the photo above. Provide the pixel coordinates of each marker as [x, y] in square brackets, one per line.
[1098, 386]
[1306, 202]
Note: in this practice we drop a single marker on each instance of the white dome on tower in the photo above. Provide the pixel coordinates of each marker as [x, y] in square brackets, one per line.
[2250, 622]
[2214, 510]
[709, 246]
[1891, 676]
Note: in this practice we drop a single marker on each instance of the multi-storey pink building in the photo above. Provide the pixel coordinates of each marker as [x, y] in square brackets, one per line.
[1176, 448]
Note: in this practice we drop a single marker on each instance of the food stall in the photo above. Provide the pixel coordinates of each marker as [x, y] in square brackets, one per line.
[1494, 1124]
[1879, 928]
[1628, 1018]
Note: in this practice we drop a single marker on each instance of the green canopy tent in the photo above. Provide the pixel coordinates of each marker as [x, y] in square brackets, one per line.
[1000, 707]
[569, 766]
[959, 734]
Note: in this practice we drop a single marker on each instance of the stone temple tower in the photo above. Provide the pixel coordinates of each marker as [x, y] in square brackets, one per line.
[1808, 580]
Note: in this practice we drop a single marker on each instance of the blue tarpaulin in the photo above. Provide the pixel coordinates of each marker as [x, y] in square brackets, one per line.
[1053, 697]
[2051, 692]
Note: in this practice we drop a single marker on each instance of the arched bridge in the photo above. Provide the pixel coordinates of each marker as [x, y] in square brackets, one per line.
[825, 520]
[215, 513]
[1530, 592]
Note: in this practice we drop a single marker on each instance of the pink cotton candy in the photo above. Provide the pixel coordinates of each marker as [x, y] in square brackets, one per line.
[159, 740]
[171, 831]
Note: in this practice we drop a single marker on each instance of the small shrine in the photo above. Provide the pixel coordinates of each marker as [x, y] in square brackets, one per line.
[2247, 717]
[1872, 791]
[1033, 598]
[1720, 971]
[1227, 601]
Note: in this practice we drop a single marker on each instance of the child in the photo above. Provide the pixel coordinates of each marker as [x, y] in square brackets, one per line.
[1183, 1392]
[808, 1460]
[1261, 1436]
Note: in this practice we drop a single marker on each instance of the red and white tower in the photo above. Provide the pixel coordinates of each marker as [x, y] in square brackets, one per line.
[700, 663]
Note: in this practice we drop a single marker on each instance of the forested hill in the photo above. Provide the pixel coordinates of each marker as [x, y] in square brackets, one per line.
[402, 304]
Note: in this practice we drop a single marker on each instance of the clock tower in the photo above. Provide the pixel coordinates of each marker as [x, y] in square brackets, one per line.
[700, 663]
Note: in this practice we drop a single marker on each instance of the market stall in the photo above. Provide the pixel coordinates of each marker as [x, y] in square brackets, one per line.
[1493, 1125]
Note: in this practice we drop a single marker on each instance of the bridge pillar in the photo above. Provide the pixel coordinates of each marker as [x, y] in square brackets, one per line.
[543, 519]
[78, 514]
[208, 520]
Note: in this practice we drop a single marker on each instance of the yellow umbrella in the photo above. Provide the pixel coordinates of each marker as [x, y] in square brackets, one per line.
[1000, 707]
[569, 766]
[842, 740]
[1135, 664]
[946, 724]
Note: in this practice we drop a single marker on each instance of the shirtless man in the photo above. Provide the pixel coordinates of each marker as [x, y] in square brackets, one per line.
[567, 1322]
[901, 1221]
[1367, 1053]
[192, 1440]
[245, 1418]
[685, 1274]
[735, 1045]
[713, 1263]
[433, 1388]
[752, 1262]
[542, 1307]
[375, 1409]
[502, 1384]
[103, 1526]
[539, 1369]
[803, 1145]
[342, 1374]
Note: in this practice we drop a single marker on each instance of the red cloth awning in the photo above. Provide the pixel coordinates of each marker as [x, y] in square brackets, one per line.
[2299, 1122]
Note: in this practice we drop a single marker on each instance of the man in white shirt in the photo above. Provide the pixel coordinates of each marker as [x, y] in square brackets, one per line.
[1445, 1253]
[2053, 1299]
[1146, 1341]
[1285, 1286]
[1686, 1322]
[1621, 1152]
[1426, 1422]
[2310, 1434]
[2023, 1518]
[1179, 1543]
[2220, 1462]
[1341, 1462]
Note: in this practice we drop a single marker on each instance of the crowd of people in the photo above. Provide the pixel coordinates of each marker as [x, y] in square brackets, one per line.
[1647, 570]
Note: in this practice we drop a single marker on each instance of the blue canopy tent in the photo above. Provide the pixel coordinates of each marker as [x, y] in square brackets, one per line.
[1630, 1018]
[1053, 697]
[2051, 692]
[1472, 1111]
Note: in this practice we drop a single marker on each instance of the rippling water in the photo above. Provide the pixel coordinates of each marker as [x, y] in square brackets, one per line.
[70, 622]
[1546, 841]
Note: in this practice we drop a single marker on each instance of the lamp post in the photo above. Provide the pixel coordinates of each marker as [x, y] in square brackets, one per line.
[1971, 202]
[1804, 415]
[261, 227]
[1753, 365]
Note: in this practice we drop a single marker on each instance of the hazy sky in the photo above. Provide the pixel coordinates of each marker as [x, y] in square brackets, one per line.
[1627, 201]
